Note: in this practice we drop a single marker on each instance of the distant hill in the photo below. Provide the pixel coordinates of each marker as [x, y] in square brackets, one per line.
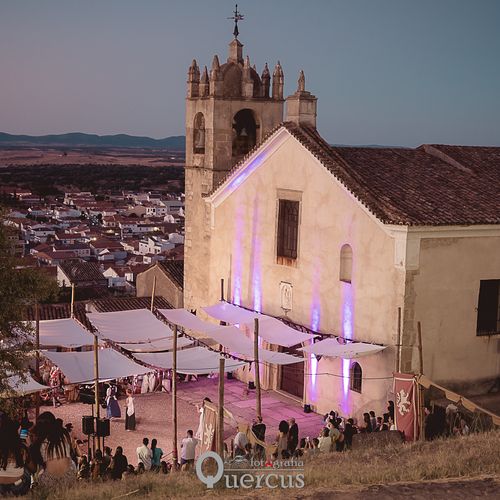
[76, 139]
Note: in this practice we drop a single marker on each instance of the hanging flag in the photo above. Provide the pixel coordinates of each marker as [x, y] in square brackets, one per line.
[209, 423]
[405, 406]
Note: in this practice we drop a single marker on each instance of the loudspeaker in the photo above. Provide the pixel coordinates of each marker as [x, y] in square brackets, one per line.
[102, 427]
[307, 409]
[88, 425]
[229, 375]
[251, 385]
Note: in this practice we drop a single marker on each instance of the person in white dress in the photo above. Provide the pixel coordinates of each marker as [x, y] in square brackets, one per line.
[129, 412]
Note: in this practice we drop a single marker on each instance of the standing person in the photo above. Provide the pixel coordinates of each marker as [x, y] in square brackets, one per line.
[293, 436]
[349, 432]
[259, 430]
[188, 449]
[282, 437]
[367, 425]
[112, 406]
[373, 421]
[144, 454]
[156, 454]
[201, 410]
[129, 412]
[55, 384]
[119, 464]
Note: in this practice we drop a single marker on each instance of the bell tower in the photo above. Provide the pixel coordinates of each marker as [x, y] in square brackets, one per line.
[229, 109]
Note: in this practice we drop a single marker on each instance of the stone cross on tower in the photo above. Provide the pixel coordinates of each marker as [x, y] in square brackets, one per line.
[237, 16]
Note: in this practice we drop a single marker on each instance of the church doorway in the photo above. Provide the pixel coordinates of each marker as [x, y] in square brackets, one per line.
[292, 376]
[244, 132]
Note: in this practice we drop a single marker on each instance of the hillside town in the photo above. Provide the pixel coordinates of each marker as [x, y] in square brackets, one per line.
[98, 243]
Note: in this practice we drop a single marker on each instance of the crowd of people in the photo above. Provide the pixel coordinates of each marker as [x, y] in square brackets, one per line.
[47, 453]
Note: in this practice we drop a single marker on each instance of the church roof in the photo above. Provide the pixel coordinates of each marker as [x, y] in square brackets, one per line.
[431, 185]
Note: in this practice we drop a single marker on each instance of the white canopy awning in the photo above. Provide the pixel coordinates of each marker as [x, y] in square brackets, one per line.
[276, 332]
[271, 329]
[20, 388]
[78, 367]
[237, 342]
[195, 361]
[185, 319]
[230, 313]
[63, 332]
[332, 348]
[229, 336]
[136, 325]
[156, 345]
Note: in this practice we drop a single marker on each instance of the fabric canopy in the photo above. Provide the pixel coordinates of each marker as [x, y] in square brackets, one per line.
[63, 333]
[20, 388]
[185, 319]
[276, 332]
[236, 341]
[332, 348]
[230, 313]
[136, 325]
[156, 345]
[78, 367]
[229, 336]
[195, 361]
[271, 329]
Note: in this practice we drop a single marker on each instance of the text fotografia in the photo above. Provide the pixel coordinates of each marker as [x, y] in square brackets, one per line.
[248, 474]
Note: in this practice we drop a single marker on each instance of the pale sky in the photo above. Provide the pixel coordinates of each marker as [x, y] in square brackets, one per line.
[391, 72]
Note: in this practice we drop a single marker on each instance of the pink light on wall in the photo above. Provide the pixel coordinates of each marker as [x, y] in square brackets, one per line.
[255, 271]
[347, 314]
[237, 257]
[315, 322]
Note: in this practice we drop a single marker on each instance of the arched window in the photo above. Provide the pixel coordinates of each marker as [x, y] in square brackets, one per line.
[356, 377]
[199, 134]
[244, 132]
[346, 263]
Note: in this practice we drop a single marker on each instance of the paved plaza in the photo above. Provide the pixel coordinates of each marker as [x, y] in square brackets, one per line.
[154, 414]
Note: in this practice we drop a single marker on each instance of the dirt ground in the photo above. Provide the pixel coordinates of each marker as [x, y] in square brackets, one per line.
[154, 414]
[487, 487]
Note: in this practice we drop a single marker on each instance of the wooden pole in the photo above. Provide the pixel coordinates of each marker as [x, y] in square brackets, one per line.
[72, 300]
[96, 383]
[421, 402]
[220, 435]
[398, 344]
[153, 294]
[37, 355]
[174, 399]
[256, 361]
[222, 289]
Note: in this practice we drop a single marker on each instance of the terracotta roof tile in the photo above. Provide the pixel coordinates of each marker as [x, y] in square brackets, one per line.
[432, 185]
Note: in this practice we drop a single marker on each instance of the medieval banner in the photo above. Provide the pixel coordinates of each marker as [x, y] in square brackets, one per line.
[405, 406]
[209, 422]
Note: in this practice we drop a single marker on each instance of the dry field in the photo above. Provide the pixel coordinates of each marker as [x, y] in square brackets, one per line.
[457, 468]
[90, 156]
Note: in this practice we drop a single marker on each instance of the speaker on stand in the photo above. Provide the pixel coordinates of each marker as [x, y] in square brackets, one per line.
[88, 429]
[102, 429]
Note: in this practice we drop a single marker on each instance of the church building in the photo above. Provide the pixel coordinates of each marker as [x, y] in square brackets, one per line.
[364, 243]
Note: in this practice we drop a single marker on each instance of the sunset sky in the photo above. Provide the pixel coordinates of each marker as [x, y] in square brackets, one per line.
[391, 72]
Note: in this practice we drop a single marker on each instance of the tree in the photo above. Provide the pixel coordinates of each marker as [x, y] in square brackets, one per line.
[19, 289]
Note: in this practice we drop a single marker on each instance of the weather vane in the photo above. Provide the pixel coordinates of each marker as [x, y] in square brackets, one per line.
[238, 16]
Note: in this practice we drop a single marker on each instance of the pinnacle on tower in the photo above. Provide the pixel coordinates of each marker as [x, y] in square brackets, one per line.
[278, 81]
[215, 78]
[266, 81]
[204, 86]
[193, 79]
[301, 84]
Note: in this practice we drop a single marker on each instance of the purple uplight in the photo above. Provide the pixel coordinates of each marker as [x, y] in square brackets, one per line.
[347, 328]
[256, 268]
[237, 256]
[315, 322]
